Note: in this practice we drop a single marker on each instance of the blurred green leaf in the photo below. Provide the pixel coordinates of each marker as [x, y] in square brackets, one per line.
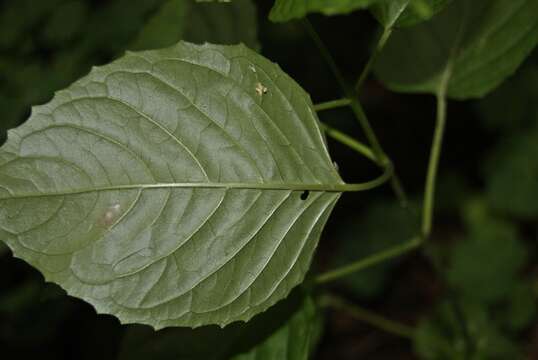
[66, 23]
[511, 175]
[387, 12]
[219, 23]
[462, 332]
[17, 18]
[288, 331]
[484, 265]
[420, 10]
[521, 308]
[453, 191]
[164, 28]
[295, 340]
[469, 48]
[514, 104]
[32, 313]
[403, 13]
[223, 23]
[285, 10]
[385, 224]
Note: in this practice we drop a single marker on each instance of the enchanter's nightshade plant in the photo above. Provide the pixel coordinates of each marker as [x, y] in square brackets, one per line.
[189, 185]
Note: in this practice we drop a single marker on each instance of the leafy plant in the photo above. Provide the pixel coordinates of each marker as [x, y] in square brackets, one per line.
[185, 185]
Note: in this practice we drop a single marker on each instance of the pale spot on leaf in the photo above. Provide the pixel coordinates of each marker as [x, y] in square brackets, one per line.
[260, 89]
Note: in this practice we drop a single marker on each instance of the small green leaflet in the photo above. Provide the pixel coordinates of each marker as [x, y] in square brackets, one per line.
[166, 189]
[285, 10]
[467, 49]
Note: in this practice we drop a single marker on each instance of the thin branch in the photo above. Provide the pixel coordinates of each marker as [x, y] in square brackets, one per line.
[368, 261]
[368, 67]
[349, 142]
[333, 104]
[357, 109]
[368, 317]
[435, 154]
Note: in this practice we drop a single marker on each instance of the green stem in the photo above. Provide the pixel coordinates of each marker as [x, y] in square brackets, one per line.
[349, 142]
[357, 110]
[369, 261]
[379, 46]
[333, 104]
[435, 154]
[368, 317]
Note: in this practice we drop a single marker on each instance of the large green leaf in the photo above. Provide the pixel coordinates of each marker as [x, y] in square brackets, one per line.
[467, 49]
[285, 10]
[219, 23]
[288, 331]
[167, 187]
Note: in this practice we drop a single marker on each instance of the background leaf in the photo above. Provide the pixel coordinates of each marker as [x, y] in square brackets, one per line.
[384, 225]
[288, 331]
[518, 94]
[121, 189]
[512, 174]
[444, 336]
[218, 23]
[53, 43]
[492, 239]
[476, 44]
[402, 13]
[285, 10]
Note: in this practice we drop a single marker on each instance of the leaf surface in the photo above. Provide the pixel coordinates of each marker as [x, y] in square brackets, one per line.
[467, 49]
[166, 188]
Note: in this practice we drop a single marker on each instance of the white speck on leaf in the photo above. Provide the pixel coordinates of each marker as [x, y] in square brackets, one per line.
[260, 89]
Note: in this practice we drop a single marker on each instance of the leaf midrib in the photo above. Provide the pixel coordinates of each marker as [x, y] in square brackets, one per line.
[208, 185]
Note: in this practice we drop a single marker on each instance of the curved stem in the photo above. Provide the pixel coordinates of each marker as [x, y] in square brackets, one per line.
[368, 261]
[357, 110]
[435, 154]
[349, 142]
[333, 104]
[368, 317]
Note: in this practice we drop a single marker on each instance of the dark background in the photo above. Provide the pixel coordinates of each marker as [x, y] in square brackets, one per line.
[37, 319]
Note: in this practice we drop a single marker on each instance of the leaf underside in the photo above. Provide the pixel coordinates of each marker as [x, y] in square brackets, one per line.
[117, 189]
